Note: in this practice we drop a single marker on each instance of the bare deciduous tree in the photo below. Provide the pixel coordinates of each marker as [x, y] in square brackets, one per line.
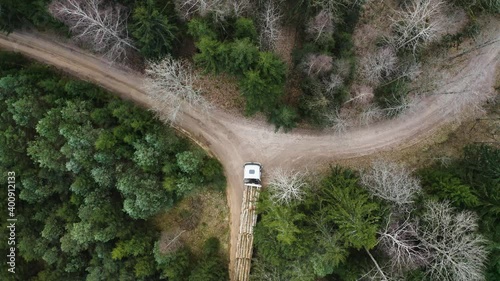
[410, 70]
[240, 7]
[378, 65]
[320, 25]
[458, 252]
[316, 64]
[400, 105]
[103, 27]
[171, 241]
[169, 84]
[286, 186]
[318, 102]
[189, 8]
[400, 241]
[445, 243]
[270, 29]
[335, 6]
[339, 121]
[391, 182]
[363, 95]
[342, 67]
[418, 23]
[332, 83]
[370, 115]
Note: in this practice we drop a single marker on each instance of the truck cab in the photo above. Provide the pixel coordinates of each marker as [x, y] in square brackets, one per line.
[252, 172]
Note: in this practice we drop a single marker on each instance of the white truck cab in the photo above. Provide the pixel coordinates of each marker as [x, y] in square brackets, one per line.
[252, 172]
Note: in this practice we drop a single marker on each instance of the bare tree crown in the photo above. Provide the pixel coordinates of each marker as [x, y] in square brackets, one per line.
[286, 186]
[458, 251]
[445, 243]
[320, 25]
[97, 23]
[400, 241]
[391, 182]
[316, 64]
[378, 65]
[270, 26]
[169, 83]
[418, 23]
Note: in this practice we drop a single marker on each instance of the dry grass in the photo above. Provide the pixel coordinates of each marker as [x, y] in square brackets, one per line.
[221, 90]
[202, 216]
[285, 45]
[374, 24]
[447, 144]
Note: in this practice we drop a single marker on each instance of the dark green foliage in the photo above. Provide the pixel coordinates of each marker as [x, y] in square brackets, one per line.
[284, 222]
[212, 171]
[201, 28]
[351, 210]
[153, 32]
[90, 170]
[189, 162]
[271, 68]
[143, 196]
[263, 87]
[237, 57]
[262, 74]
[353, 267]
[473, 182]
[179, 264]
[211, 267]
[245, 28]
[242, 56]
[487, 6]
[212, 56]
[481, 164]
[211, 247]
[17, 14]
[391, 96]
[285, 117]
[417, 275]
[261, 95]
[444, 186]
[174, 266]
[298, 54]
[344, 46]
[314, 238]
[471, 30]
[318, 100]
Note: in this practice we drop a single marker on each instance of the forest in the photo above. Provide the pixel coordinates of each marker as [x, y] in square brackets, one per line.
[92, 172]
[328, 74]
[383, 223]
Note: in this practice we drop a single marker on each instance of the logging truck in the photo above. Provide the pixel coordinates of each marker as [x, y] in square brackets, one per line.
[252, 173]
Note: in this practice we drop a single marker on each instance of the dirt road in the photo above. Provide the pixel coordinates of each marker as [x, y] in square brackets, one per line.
[235, 140]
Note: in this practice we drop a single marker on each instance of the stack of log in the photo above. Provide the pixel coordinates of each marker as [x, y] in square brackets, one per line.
[248, 219]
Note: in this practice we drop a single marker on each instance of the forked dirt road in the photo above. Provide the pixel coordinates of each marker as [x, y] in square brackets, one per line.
[235, 140]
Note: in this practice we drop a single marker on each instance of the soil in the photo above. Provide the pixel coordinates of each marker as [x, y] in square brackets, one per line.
[286, 44]
[235, 140]
[221, 90]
